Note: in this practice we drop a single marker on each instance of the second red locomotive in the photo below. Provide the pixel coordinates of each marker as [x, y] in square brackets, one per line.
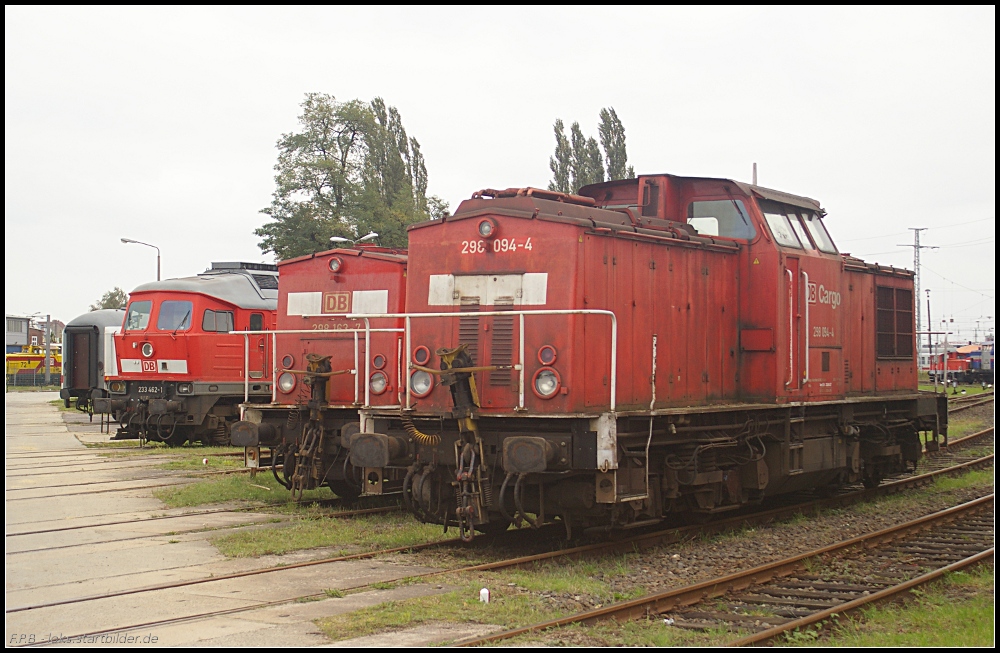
[329, 367]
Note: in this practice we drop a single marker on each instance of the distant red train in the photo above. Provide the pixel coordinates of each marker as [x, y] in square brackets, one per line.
[653, 346]
[181, 373]
[330, 366]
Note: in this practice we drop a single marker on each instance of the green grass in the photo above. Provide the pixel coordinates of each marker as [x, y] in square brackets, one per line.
[198, 461]
[262, 489]
[956, 611]
[506, 608]
[61, 407]
[33, 388]
[975, 478]
[518, 597]
[961, 426]
[971, 389]
[354, 534]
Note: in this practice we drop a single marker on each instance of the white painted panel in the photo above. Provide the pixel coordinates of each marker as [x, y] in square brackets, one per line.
[505, 286]
[470, 286]
[110, 356]
[370, 301]
[534, 288]
[529, 289]
[305, 303]
[607, 441]
[442, 290]
[133, 365]
[167, 366]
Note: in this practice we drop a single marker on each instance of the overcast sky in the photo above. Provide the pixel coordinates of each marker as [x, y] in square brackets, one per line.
[159, 124]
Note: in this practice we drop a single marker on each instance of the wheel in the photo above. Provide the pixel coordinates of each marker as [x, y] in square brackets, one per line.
[493, 528]
[871, 478]
[345, 490]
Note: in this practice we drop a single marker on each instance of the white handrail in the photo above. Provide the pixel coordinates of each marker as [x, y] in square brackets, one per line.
[274, 356]
[791, 328]
[806, 276]
[406, 330]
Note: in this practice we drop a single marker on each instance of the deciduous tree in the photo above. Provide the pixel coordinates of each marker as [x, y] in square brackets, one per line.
[114, 298]
[350, 169]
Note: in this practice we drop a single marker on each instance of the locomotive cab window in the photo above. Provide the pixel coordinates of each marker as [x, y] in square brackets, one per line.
[725, 218]
[818, 232]
[256, 321]
[138, 315]
[174, 316]
[800, 231]
[220, 322]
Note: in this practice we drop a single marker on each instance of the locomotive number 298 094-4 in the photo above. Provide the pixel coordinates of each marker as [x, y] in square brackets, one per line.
[498, 245]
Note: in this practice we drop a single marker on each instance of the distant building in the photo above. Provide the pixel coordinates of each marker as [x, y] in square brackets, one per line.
[17, 333]
[23, 331]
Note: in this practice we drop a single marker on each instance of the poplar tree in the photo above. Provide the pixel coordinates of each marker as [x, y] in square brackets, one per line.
[612, 135]
[578, 160]
[559, 163]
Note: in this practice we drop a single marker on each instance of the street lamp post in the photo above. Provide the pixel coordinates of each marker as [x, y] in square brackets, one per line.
[129, 240]
[47, 342]
[340, 239]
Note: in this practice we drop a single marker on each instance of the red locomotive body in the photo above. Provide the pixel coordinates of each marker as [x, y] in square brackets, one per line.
[330, 365]
[654, 345]
[181, 373]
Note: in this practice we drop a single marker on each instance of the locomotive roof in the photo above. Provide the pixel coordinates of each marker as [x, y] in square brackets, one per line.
[107, 317]
[531, 202]
[748, 189]
[380, 253]
[236, 286]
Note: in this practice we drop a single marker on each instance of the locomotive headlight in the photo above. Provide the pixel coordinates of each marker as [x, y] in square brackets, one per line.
[287, 361]
[421, 383]
[487, 228]
[147, 349]
[378, 361]
[336, 263]
[286, 382]
[117, 387]
[378, 383]
[547, 355]
[185, 388]
[546, 383]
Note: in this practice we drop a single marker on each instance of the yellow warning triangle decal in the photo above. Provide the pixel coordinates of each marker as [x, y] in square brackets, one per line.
[756, 261]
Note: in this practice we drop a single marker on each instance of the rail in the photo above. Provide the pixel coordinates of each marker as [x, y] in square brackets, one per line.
[274, 357]
[407, 329]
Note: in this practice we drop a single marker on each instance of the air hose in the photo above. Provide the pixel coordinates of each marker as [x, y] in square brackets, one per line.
[421, 438]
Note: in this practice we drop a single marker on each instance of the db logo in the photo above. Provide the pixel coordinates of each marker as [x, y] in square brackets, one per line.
[148, 366]
[337, 302]
[823, 296]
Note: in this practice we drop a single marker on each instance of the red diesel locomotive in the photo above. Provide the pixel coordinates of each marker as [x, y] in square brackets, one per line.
[651, 346]
[329, 366]
[181, 372]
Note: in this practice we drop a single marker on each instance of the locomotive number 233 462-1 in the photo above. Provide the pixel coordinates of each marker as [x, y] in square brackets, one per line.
[498, 245]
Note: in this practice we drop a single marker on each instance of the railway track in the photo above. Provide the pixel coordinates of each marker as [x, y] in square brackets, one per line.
[631, 544]
[335, 515]
[779, 597]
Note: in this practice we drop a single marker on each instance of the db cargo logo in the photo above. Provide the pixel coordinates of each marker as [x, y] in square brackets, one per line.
[823, 296]
[148, 366]
[337, 302]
